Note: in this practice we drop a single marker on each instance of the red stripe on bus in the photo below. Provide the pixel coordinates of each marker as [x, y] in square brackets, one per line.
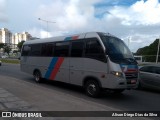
[75, 37]
[56, 68]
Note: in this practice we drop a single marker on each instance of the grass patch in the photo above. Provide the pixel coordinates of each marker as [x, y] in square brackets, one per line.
[12, 61]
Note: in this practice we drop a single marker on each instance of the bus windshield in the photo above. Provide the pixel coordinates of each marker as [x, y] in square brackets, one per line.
[116, 49]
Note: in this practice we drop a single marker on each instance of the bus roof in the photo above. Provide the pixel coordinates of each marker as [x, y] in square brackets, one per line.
[68, 37]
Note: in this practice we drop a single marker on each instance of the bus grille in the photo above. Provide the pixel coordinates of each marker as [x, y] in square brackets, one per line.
[131, 76]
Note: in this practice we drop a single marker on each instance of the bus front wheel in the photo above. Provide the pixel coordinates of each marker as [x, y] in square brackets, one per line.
[37, 76]
[92, 88]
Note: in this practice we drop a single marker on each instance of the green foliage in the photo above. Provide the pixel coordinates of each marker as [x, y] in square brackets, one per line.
[7, 49]
[15, 51]
[20, 44]
[10, 61]
[149, 52]
[1, 45]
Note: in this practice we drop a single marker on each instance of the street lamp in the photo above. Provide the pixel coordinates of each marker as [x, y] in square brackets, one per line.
[129, 40]
[158, 51]
[47, 23]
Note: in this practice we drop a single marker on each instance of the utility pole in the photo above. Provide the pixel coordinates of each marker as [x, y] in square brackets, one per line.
[129, 40]
[158, 50]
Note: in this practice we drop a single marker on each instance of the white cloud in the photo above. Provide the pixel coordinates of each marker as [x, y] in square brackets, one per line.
[140, 13]
[3, 16]
[40, 33]
[141, 20]
[2, 3]
[68, 14]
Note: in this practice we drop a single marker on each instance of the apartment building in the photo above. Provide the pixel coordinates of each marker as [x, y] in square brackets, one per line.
[13, 39]
[18, 37]
[5, 36]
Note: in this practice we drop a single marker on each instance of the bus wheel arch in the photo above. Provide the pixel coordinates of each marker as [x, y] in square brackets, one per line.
[92, 86]
[37, 75]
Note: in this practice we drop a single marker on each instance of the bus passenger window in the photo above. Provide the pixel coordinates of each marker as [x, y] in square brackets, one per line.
[47, 49]
[77, 48]
[61, 49]
[26, 50]
[36, 50]
[94, 49]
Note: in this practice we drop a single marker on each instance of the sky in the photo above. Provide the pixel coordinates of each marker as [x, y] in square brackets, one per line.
[136, 22]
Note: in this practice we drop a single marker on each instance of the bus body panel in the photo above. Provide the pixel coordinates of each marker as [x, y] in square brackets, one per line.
[75, 70]
[29, 64]
[80, 68]
[58, 69]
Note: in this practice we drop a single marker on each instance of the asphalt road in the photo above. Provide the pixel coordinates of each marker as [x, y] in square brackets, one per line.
[60, 96]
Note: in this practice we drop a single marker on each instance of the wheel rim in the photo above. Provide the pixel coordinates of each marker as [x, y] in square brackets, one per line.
[91, 89]
[37, 77]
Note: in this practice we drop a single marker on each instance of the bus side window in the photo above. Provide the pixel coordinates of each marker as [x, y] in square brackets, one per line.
[47, 49]
[61, 49]
[94, 49]
[77, 48]
[36, 50]
[26, 50]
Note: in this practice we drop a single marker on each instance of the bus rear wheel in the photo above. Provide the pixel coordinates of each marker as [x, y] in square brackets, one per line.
[92, 88]
[37, 76]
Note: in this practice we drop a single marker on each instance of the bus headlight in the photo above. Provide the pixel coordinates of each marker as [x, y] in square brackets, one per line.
[118, 74]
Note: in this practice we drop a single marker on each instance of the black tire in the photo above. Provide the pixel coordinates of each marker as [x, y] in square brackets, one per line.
[37, 76]
[140, 87]
[92, 88]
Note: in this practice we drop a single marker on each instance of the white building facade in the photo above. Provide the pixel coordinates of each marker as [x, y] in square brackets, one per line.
[18, 37]
[7, 37]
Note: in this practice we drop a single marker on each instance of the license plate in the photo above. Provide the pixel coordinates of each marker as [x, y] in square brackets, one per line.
[133, 81]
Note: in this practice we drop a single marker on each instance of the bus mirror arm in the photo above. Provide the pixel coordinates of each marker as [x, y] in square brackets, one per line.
[106, 52]
[106, 58]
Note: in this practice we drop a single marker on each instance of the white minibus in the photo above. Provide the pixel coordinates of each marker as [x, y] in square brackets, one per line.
[94, 60]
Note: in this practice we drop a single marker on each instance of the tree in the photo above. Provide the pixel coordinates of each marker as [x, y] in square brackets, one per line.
[15, 51]
[20, 44]
[7, 49]
[149, 52]
[1, 45]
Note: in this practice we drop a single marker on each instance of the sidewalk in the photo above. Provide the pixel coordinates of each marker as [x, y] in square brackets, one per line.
[9, 102]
